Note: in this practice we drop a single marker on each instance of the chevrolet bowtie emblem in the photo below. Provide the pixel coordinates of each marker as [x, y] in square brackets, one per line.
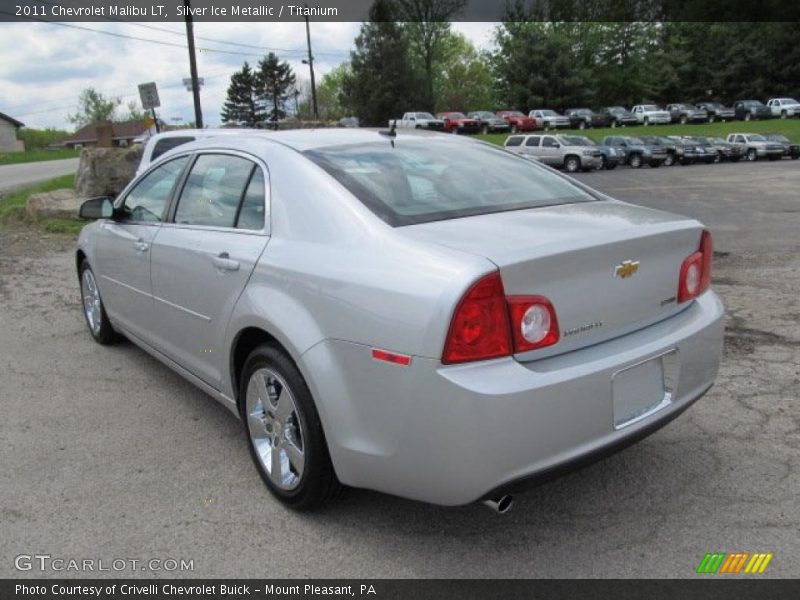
[626, 269]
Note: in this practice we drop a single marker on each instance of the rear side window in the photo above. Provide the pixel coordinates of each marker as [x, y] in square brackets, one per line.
[251, 214]
[421, 180]
[168, 143]
[532, 141]
[214, 190]
[514, 141]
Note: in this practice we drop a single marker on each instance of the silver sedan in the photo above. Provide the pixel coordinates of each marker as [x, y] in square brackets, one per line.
[424, 315]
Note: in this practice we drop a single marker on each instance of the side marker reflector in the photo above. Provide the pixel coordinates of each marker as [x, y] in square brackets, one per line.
[398, 359]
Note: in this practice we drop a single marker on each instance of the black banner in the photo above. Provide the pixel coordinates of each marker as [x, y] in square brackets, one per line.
[359, 10]
[707, 588]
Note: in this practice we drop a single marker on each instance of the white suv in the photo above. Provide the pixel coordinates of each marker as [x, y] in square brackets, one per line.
[648, 114]
[160, 143]
[784, 107]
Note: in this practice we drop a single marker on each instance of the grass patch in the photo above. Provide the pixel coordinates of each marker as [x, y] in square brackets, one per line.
[12, 207]
[788, 127]
[16, 158]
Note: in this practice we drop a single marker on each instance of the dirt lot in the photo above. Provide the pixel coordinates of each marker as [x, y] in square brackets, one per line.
[107, 454]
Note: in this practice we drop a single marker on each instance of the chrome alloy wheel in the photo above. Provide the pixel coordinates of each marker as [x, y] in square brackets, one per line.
[92, 306]
[275, 428]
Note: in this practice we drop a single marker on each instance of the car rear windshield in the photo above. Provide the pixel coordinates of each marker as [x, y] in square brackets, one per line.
[418, 181]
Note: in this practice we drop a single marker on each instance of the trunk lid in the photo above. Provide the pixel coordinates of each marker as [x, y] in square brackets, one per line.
[576, 255]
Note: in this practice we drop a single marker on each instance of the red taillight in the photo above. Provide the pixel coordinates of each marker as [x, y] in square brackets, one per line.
[479, 329]
[487, 325]
[695, 275]
[533, 322]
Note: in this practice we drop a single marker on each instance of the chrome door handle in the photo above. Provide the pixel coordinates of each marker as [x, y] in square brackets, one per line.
[223, 262]
[141, 246]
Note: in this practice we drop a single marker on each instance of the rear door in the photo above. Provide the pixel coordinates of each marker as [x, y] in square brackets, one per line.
[531, 147]
[551, 151]
[204, 255]
[122, 248]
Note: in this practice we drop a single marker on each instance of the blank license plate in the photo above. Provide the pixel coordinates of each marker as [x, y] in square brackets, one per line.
[638, 391]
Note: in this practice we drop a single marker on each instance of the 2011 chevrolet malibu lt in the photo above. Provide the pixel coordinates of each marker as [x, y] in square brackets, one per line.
[420, 314]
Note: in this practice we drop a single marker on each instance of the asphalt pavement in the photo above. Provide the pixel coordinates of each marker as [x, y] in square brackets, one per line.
[107, 454]
[13, 176]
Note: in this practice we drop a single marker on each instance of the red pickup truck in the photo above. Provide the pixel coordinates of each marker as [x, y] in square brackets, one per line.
[456, 122]
[519, 121]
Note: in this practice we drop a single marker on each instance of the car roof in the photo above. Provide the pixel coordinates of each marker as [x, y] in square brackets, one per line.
[253, 140]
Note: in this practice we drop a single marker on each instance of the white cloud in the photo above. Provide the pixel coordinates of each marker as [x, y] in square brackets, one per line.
[45, 66]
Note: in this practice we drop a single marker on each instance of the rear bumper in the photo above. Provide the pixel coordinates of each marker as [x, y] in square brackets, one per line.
[453, 434]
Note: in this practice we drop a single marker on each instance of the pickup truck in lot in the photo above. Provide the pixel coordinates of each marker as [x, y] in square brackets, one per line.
[649, 114]
[677, 151]
[517, 120]
[755, 146]
[418, 120]
[549, 119]
[637, 152]
[784, 107]
[749, 110]
[790, 149]
[566, 152]
[683, 113]
[457, 122]
[581, 118]
[489, 122]
[618, 116]
[717, 111]
[724, 150]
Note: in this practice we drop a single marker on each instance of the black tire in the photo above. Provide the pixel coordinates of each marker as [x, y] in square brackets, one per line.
[795, 156]
[485, 129]
[748, 116]
[670, 160]
[318, 484]
[514, 129]
[635, 161]
[783, 114]
[646, 121]
[683, 120]
[105, 334]
[717, 158]
[654, 164]
[572, 164]
[613, 123]
[711, 118]
[752, 155]
[735, 158]
[582, 124]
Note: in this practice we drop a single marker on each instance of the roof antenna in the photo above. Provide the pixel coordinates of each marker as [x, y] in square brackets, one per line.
[392, 133]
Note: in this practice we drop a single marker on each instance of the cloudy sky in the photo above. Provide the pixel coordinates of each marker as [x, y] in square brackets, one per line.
[44, 66]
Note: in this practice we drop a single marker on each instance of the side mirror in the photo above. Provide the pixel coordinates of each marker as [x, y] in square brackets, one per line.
[97, 208]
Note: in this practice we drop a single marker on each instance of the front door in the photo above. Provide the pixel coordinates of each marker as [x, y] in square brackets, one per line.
[203, 257]
[122, 250]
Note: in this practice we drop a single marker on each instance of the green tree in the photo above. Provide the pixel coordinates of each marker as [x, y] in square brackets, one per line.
[382, 82]
[93, 107]
[330, 93]
[242, 107]
[463, 79]
[428, 27]
[275, 82]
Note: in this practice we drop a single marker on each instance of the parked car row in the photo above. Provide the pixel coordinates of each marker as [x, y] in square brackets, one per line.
[579, 153]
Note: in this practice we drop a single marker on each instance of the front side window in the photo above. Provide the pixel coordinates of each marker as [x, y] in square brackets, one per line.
[146, 202]
[532, 141]
[418, 181]
[214, 190]
[549, 143]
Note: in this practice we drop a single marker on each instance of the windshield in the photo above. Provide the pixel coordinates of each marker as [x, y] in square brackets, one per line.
[418, 181]
[651, 107]
[483, 115]
[581, 111]
[718, 141]
[455, 115]
[617, 110]
[549, 113]
[635, 140]
[513, 113]
[587, 141]
[425, 116]
[776, 137]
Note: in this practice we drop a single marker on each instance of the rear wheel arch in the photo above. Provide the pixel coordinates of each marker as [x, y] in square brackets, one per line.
[80, 256]
[247, 340]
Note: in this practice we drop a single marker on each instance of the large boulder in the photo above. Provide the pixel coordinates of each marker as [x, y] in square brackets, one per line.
[62, 204]
[106, 171]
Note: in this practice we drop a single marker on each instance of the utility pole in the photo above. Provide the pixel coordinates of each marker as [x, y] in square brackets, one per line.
[310, 62]
[198, 113]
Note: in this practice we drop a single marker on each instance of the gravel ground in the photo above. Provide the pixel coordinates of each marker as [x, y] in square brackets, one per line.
[107, 454]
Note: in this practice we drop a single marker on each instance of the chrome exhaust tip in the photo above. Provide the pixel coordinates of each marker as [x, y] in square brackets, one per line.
[501, 504]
